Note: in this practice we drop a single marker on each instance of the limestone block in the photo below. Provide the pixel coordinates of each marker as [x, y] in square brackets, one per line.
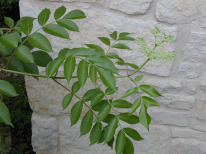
[181, 11]
[187, 146]
[79, 0]
[201, 113]
[164, 116]
[44, 134]
[195, 49]
[130, 6]
[188, 70]
[188, 133]
[203, 81]
[198, 124]
[177, 101]
[164, 85]
[155, 141]
[191, 87]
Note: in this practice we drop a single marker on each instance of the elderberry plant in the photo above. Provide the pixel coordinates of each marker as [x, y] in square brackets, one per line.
[22, 51]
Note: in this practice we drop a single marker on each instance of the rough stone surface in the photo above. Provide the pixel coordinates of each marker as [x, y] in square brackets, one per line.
[44, 134]
[163, 116]
[181, 11]
[177, 101]
[191, 87]
[203, 82]
[188, 70]
[198, 124]
[164, 85]
[196, 47]
[187, 146]
[201, 113]
[188, 133]
[130, 6]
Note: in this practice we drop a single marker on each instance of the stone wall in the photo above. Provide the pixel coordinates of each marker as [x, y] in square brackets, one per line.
[179, 125]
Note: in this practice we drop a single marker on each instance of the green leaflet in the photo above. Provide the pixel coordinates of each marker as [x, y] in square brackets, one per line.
[120, 103]
[86, 123]
[89, 94]
[129, 147]
[130, 119]
[97, 98]
[107, 78]
[110, 129]
[120, 46]
[53, 66]
[130, 92]
[15, 64]
[110, 91]
[93, 74]
[75, 14]
[105, 40]
[120, 142]
[144, 117]
[5, 115]
[96, 133]
[40, 41]
[26, 24]
[114, 35]
[133, 134]
[76, 112]
[75, 87]
[66, 100]
[82, 72]
[150, 90]
[41, 58]
[9, 22]
[68, 24]
[7, 89]
[135, 105]
[9, 41]
[99, 105]
[24, 54]
[43, 16]
[103, 113]
[31, 68]
[56, 30]
[139, 78]
[59, 12]
[69, 68]
[149, 101]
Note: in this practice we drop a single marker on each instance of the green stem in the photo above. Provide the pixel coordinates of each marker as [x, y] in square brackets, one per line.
[140, 67]
[75, 96]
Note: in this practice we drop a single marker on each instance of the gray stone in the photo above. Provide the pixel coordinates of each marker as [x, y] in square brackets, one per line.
[130, 6]
[164, 85]
[203, 81]
[177, 101]
[187, 146]
[195, 49]
[198, 124]
[44, 134]
[177, 12]
[188, 70]
[164, 116]
[79, 0]
[188, 133]
[191, 87]
[201, 113]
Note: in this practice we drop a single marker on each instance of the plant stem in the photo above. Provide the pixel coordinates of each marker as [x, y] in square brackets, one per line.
[5, 29]
[75, 96]
[140, 67]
